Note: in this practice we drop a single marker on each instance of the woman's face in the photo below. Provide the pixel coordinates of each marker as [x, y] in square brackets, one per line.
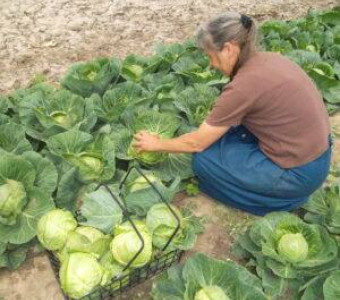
[225, 59]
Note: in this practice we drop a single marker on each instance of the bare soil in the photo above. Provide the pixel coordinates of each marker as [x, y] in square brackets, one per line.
[45, 37]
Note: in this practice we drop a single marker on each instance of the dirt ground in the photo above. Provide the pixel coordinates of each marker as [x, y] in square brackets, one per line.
[45, 37]
[42, 36]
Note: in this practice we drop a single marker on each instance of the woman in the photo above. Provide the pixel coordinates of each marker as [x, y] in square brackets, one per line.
[265, 145]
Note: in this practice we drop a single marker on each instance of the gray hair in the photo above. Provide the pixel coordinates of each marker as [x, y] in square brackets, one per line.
[228, 27]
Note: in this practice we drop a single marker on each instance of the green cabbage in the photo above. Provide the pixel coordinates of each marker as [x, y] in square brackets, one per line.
[161, 222]
[212, 292]
[149, 158]
[12, 201]
[91, 233]
[53, 228]
[92, 162]
[111, 268]
[79, 274]
[61, 118]
[126, 244]
[141, 183]
[293, 247]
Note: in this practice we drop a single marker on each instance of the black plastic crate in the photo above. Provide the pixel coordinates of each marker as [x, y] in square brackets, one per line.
[118, 285]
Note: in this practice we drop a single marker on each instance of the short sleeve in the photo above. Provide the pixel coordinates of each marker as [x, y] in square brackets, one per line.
[230, 108]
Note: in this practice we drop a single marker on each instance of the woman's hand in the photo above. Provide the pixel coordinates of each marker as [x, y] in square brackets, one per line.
[144, 141]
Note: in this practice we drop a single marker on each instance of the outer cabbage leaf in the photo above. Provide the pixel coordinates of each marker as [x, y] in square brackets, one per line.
[139, 196]
[12, 256]
[323, 208]
[170, 285]
[101, 211]
[12, 139]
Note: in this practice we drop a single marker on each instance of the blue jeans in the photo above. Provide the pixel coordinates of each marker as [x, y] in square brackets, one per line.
[236, 172]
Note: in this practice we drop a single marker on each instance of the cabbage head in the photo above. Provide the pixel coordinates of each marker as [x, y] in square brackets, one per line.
[293, 247]
[148, 158]
[141, 183]
[212, 292]
[163, 125]
[12, 201]
[111, 268]
[127, 227]
[61, 118]
[91, 233]
[126, 244]
[79, 274]
[53, 228]
[86, 239]
[93, 163]
[161, 222]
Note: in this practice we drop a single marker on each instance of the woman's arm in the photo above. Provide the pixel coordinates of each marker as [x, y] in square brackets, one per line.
[196, 141]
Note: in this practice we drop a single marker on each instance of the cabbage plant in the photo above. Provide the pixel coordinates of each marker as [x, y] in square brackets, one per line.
[205, 278]
[91, 77]
[161, 124]
[116, 100]
[26, 185]
[166, 166]
[45, 115]
[94, 157]
[80, 274]
[323, 207]
[287, 251]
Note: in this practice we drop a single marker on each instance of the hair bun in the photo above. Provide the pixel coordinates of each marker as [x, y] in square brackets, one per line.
[246, 21]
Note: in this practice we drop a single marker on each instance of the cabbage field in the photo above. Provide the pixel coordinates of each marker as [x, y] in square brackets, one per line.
[66, 155]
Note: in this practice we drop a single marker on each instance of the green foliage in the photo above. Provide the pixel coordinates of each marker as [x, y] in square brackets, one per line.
[91, 77]
[323, 208]
[313, 43]
[287, 252]
[204, 278]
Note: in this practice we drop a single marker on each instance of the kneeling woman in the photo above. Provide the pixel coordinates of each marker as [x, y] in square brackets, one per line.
[265, 145]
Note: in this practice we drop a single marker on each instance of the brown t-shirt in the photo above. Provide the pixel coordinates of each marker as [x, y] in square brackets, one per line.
[276, 101]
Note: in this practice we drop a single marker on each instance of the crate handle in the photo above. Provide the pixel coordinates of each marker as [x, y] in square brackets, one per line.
[160, 196]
